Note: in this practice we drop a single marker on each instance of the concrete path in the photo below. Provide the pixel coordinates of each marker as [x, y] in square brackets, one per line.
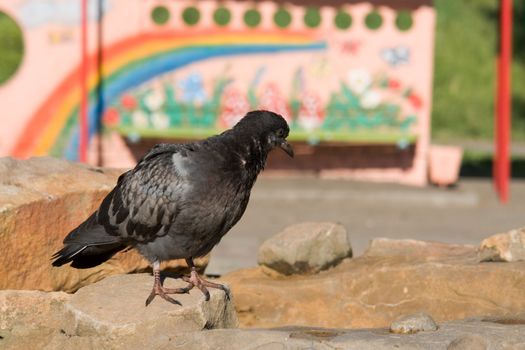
[465, 214]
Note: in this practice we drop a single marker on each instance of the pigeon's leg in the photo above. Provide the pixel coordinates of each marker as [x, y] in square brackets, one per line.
[158, 289]
[195, 280]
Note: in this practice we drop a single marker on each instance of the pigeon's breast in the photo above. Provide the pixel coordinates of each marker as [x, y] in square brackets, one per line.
[212, 200]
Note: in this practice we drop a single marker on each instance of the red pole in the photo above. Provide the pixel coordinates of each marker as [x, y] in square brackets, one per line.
[83, 122]
[502, 164]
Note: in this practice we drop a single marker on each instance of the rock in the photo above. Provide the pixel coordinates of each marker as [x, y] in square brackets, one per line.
[508, 246]
[306, 248]
[108, 314]
[111, 315]
[115, 307]
[373, 291]
[41, 200]
[419, 322]
[498, 337]
[30, 309]
[420, 250]
[468, 342]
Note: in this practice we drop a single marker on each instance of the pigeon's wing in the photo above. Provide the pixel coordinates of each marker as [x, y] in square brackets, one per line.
[147, 199]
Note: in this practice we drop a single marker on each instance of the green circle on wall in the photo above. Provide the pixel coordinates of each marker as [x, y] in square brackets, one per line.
[11, 47]
[404, 20]
[282, 18]
[342, 19]
[312, 17]
[252, 18]
[191, 15]
[222, 16]
[373, 20]
[160, 15]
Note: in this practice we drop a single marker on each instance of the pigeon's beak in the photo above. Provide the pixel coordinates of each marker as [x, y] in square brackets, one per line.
[285, 146]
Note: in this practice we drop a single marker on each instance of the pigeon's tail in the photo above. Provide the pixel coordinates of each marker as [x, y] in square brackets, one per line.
[88, 245]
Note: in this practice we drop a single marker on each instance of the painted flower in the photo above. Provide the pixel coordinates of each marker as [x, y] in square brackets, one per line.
[311, 112]
[271, 99]
[140, 119]
[160, 120]
[234, 106]
[193, 89]
[415, 100]
[370, 99]
[154, 100]
[359, 80]
[129, 102]
[111, 117]
[394, 84]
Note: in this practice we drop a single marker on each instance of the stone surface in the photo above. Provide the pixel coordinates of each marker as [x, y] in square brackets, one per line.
[306, 248]
[372, 291]
[40, 320]
[414, 323]
[108, 314]
[115, 307]
[508, 246]
[496, 336]
[474, 334]
[416, 249]
[468, 342]
[41, 200]
[111, 315]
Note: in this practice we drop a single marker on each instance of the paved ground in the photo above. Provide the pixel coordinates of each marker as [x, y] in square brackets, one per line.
[465, 214]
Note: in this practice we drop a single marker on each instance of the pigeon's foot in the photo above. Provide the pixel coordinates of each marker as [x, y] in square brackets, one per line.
[159, 290]
[194, 280]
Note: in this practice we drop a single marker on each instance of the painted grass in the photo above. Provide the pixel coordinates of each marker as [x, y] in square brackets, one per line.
[350, 137]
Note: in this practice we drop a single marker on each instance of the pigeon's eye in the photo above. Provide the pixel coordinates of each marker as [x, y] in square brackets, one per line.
[280, 132]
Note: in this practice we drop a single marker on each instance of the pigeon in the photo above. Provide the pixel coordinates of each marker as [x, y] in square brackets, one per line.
[179, 201]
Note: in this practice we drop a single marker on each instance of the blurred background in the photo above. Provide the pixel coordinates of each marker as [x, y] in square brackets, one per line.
[392, 93]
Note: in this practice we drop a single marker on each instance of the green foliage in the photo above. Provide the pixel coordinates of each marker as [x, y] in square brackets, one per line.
[191, 15]
[342, 19]
[282, 18]
[252, 18]
[11, 47]
[465, 75]
[312, 17]
[373, 20]
[222, 16]
[404, 20]
[160, 15]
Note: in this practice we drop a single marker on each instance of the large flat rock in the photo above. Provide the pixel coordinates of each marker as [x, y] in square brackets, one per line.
[494, 335]
[115, 307]
[108, 314]
[41, 201]
[373, 291]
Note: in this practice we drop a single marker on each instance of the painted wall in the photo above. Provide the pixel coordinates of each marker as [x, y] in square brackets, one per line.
[352, 73]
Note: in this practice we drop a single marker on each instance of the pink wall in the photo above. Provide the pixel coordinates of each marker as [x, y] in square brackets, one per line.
[361, 58]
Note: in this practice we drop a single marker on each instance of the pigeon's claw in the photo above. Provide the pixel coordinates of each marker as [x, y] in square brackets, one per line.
[195, 280]
[159, 290]
[163, 293]
[226, 291]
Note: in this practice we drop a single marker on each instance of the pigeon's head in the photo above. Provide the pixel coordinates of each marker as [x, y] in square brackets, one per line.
[268, 127]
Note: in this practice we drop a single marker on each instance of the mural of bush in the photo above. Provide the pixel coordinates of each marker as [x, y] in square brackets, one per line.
[252, 18]
[11, 47]
[160, 15]
[342, 19]
[191, 15]
[282, 18]
[373, 20]
[222, 16]
[183, 107]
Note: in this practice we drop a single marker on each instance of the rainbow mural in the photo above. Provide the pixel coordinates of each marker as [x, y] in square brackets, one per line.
[53, 129]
